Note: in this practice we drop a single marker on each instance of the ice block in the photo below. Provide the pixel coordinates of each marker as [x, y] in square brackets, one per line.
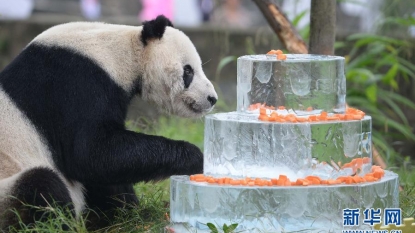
[300, 82]
[238, 145]
[276, 209]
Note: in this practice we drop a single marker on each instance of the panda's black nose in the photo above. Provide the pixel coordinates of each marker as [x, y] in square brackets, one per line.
[212, 100]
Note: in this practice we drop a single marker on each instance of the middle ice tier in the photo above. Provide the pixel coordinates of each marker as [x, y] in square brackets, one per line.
[305, 83]
[238, 145]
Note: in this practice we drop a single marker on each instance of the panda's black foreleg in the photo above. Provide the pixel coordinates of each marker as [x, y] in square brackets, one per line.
[104, 200]
[109, 156]
[33, 193]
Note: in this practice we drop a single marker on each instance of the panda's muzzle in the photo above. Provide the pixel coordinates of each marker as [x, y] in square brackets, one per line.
[195, 107]
[200, 108]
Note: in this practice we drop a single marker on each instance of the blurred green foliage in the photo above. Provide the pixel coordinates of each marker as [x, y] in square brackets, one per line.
[376, 67]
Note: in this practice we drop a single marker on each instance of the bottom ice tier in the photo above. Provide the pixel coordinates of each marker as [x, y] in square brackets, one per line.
[276, 209]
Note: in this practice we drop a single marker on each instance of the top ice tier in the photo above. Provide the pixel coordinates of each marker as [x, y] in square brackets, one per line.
[301, 82]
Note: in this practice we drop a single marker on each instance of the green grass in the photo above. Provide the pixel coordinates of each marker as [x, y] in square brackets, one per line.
[149, 216]
[55, 223]
[406, 174]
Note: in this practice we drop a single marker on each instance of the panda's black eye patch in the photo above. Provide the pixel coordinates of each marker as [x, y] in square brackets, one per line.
[187, 75]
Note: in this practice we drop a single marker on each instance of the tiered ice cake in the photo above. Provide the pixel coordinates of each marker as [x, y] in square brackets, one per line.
[291, 158]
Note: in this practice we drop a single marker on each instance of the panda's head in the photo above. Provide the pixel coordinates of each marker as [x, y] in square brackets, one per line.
[172, 75]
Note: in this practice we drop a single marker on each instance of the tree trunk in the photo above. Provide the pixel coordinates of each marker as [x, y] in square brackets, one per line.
[282, 27]
[322, 26]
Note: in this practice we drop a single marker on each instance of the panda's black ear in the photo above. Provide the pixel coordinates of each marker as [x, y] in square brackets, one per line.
[154, 28]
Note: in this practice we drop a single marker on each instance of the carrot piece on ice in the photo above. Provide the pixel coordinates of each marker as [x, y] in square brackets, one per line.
[281, 57]
[234, 182]
[263, 118]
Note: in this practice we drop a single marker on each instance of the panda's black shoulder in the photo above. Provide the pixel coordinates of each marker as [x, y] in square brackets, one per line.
[59, 88]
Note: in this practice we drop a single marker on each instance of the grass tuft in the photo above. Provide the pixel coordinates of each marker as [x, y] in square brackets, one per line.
[60, 220]
[151, 215]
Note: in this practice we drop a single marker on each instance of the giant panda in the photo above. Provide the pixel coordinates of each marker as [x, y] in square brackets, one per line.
[63, 103]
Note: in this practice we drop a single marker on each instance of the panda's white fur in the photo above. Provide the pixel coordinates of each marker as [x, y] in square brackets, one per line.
[116, 48]
[21, 145]
[150, 63]
[118, 51]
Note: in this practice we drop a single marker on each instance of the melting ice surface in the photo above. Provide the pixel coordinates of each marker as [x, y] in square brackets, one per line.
[263, 72]
[277, 209]
[239, 145]
[301, 81]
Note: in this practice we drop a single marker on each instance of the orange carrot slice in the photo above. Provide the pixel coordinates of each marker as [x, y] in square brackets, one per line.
[302, 182]
[282, 57]
[312, 118]
[377, 174]
[281, 182]
[315, 180]
[291, 118]
[284, 177]
[263, 118]
[258, 181]
[279, 119]
[200, 180]
[272, 118]
[332, 118]
[366, 160]
[370, 178]
[323, 116]
[331, 182]
[234, 182]
[211, 181]
[302, 119]
[357, 179]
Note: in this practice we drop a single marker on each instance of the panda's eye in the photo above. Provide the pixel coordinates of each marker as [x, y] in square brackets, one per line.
[187, 75]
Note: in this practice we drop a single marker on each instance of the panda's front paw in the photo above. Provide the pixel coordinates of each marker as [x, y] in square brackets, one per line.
[193, 163]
